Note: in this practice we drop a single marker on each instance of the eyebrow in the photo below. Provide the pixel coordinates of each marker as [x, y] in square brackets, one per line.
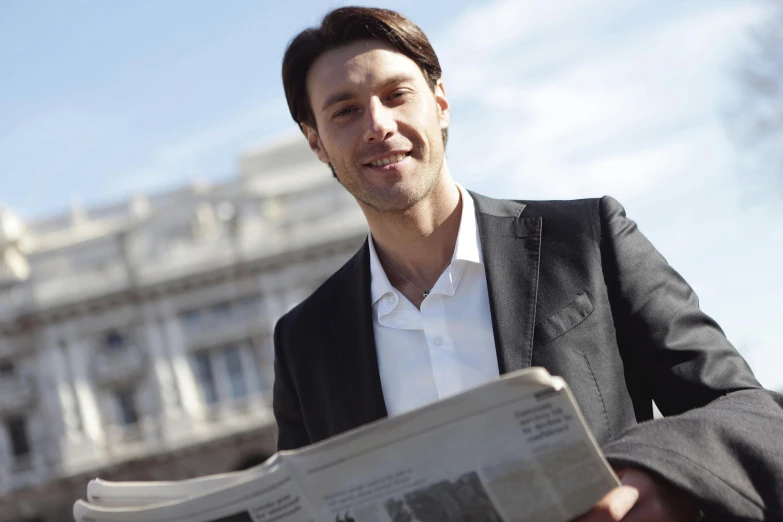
[347, 95]
[337, 98]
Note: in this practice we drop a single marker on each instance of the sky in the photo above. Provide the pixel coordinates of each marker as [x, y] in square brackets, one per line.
[550, 99]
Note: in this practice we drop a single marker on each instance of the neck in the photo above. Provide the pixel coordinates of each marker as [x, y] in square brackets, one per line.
[420, 240]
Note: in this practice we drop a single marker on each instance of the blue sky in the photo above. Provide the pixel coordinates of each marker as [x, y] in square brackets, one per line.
[101, 97]
[550, 99]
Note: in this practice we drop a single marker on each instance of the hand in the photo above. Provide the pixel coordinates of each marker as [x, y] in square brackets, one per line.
[642, 498]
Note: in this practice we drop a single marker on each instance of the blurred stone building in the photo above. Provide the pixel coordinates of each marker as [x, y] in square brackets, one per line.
[136, 338]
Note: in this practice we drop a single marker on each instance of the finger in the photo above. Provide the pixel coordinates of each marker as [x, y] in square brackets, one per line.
[649, 510]
[639, 480]
[614, 506]
[657, 501]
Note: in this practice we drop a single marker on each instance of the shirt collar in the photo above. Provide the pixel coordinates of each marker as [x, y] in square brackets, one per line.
[379, 281]
[467, 248]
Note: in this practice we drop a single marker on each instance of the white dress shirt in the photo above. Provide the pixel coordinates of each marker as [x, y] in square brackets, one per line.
[445, 347]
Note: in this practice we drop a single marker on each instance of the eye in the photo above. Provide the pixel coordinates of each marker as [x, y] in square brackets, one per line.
[397, 95]
[345, 111]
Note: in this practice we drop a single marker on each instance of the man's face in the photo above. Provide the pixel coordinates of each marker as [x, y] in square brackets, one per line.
[379, 124]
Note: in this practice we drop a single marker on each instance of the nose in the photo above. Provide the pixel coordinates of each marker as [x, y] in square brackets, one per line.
[380, 123]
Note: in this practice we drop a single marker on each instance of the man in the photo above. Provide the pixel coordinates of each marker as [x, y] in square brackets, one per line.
[452, 289]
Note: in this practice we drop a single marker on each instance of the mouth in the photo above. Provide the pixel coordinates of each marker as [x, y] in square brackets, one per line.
[389, 162]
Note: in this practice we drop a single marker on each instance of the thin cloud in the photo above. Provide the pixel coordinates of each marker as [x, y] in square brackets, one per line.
[656, 79]
[184, 159]
[552, 99]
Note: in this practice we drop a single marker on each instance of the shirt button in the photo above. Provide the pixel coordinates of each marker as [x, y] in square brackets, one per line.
[438, 341]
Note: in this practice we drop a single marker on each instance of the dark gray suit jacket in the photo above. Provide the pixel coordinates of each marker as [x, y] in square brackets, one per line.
[576, 288]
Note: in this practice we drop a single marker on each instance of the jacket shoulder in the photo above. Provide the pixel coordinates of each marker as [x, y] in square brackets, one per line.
[592, 212]
[546, 208]
[561, 207]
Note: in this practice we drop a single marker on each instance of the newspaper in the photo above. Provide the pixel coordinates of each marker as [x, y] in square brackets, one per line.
[136, 494]
[513, 450]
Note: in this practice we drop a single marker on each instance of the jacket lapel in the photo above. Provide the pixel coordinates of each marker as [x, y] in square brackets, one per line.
[362, 399]
[511, 247]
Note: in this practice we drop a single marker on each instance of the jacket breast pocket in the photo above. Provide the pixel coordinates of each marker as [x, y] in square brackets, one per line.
[564, 319]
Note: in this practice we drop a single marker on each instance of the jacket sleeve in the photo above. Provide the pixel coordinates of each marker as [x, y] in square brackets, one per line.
[722, 436]
[291, 431]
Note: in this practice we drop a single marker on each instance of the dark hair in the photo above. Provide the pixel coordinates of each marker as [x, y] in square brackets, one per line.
[344, 26]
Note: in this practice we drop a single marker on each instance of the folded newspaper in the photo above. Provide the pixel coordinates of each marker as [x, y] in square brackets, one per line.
[515, 449]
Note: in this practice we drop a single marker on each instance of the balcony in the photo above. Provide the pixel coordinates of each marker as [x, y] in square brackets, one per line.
[207, 329]
[78, 286]
[118, 367]
[133, 440]
[17, 395]
[255, 409]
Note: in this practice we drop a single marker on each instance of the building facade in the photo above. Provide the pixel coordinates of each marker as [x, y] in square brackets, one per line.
[136, 338]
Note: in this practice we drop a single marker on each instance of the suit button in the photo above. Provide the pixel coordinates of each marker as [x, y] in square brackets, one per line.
[438, 341]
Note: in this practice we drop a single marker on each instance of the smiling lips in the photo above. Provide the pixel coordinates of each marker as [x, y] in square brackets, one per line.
[388, 160]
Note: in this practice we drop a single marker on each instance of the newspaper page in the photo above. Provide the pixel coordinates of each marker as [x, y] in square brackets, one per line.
[271, 497]
[513, 450]
[516, 449]
[137, 494]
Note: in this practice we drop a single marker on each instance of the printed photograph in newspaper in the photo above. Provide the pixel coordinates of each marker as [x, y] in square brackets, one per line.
[460, 500]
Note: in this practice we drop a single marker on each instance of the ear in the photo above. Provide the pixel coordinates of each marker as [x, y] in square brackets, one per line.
[315, 142]
[444, 113]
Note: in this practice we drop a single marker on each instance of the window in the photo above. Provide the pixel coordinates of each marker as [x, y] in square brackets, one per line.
[191, 317]
[114, 341]
[17, 435]
[126, 407]
[251, 303]
[6, 368]
[221, 310]
[236, 377]
[202, 367]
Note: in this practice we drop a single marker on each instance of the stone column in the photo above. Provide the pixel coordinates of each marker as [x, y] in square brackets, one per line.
[250, 369]
[154, 337]
[220, 373]
[273, 295]
[70, 446]
[56, 390]
[5, 457]
[180, 364]
[273, 299]
[77, 351]
[263, 344]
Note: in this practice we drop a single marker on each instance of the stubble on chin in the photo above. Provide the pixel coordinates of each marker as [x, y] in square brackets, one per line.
[392, 202]
[396, 197]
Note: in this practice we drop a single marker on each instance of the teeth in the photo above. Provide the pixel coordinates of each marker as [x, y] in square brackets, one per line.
[386, 161]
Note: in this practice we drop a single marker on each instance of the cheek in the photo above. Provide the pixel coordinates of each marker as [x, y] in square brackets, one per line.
[424, 117]
[341, 144]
